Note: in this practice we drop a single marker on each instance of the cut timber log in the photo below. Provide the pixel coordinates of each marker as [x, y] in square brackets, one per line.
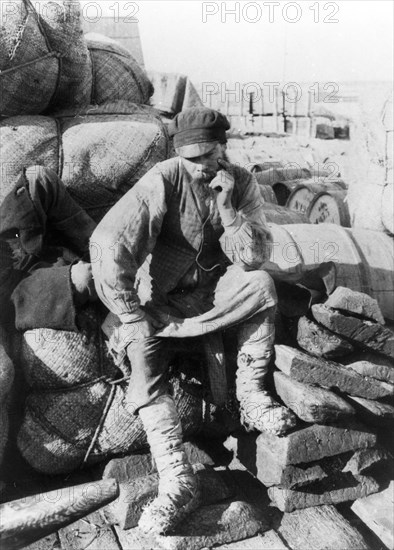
[327, 491]
[312, 370]
[379, 372]
[366, 334]
[310, 403]
[320, 342]
[373, 412]
[209, 526]
[32, 518]
[364, 459]
[320, 528]
[352, 301]
[135, 494]
[377, 512]
[316, 442]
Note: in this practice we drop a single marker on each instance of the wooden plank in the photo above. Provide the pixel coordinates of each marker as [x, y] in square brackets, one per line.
[377, 512]
[380, 372]
[320, 528]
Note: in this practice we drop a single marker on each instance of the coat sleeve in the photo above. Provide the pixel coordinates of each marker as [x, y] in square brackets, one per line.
[123, 240]
[247, 241]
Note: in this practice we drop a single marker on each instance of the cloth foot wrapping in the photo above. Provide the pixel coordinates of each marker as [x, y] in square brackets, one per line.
[179, 492]
[258, 409]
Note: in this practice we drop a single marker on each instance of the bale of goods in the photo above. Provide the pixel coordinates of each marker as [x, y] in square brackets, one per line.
[173, 93]
[99, 154]
[364, 259]
[44, 61]
[6, 379]
[116, 74]
[371, 207]
[322, 202]
[281, 215]
[77, 410]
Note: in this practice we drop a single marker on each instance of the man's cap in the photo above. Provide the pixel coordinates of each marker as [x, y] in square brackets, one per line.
[197, 131]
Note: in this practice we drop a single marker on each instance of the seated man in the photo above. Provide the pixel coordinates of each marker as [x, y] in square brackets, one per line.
[44, 254]
[199, 223]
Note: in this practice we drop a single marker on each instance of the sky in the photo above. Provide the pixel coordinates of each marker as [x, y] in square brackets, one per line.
[303, 41]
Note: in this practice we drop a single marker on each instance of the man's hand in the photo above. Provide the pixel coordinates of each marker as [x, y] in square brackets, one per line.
[83, 283]
[223, 185]
[147, 326]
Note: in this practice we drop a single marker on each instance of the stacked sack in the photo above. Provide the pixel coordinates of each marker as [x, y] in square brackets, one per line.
[342, 408]
[76, 105]
[99, 154]
[77, 412]
[46, 64]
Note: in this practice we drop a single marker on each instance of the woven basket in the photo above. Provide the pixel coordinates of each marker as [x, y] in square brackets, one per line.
[116, 74]
[77, 410]
[44, 60]
[99, 153]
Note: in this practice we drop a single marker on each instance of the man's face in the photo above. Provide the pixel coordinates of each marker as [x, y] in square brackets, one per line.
[207, 165]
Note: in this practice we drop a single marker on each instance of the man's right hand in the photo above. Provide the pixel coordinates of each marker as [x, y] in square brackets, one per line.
[147, 326]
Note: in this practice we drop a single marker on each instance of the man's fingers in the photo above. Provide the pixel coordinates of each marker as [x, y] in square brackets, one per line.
[226, 165]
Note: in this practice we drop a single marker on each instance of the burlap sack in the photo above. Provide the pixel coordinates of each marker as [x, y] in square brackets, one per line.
[77, 409]
[116, 74]
[99, 153]
[44, 60]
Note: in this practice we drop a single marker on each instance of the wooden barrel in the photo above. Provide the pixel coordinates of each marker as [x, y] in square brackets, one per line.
[322, 202]
[364, 259]
[371, 207]
[329, 207]
[282, 215]
[268, 194]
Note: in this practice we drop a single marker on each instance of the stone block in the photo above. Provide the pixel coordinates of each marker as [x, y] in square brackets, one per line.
[356, 302]
[320, 342]
[328, 491]
[364, 459]
[379, 372]
[365, 334]
[320, 528]
[310, 403]
[377, 512]
[136, 493]
[317, 441]
[315, 370]
[271, 471]
[372, 412]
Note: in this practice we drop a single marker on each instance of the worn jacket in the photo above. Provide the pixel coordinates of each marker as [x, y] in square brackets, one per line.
[168, 224]
[36, 255]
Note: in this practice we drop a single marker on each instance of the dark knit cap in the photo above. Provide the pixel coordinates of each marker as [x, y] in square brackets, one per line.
[197, 130]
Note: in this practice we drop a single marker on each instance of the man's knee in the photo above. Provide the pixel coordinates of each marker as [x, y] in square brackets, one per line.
[262, 284]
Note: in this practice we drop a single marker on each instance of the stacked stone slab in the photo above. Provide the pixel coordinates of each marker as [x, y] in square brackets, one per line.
[330, 456]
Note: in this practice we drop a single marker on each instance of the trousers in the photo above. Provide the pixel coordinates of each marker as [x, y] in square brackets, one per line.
[245, 300]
